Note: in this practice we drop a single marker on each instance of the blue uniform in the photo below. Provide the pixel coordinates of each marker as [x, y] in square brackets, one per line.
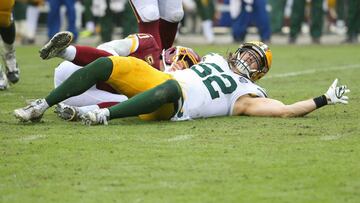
[252, 11]
[54, 21]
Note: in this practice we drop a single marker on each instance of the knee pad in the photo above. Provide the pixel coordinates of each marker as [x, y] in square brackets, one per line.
[174, 16]
[5, 12]
[149, 13]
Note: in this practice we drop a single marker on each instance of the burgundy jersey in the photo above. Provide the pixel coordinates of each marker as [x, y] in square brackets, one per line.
[147, 49]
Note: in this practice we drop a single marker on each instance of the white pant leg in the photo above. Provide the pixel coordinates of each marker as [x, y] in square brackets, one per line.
[32, 16]
[147, 10]
[171, 10]
[92, 96]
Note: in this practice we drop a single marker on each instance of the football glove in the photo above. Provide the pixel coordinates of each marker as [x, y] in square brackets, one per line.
[336, 94]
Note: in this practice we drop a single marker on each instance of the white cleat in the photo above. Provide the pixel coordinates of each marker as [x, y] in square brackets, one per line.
[67, 112]
[4, 83]
[96, 117]
[56, 45]
[32, 112]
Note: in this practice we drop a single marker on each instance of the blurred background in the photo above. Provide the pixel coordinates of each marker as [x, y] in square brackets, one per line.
[204, 22]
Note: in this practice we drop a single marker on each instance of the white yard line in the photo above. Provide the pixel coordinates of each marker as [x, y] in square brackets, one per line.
[331, 137]
[32, 137]
[180, 138]
[297, 73]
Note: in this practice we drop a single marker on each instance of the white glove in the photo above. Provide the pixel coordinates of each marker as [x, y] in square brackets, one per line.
[336, 94]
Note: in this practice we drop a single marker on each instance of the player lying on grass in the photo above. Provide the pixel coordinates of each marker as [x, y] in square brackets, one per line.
[214, 87]
[142, 46]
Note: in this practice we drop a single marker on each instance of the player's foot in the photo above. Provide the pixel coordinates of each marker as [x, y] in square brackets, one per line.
[96, 117]
[12, 68]
[4, 84]
[67, 112]
[56, 45]
[32, 112]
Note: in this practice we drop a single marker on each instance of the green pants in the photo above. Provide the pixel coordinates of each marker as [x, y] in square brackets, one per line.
[298, 14]
[353, 21]
[277, 15]
[206, 9]
[19, 11]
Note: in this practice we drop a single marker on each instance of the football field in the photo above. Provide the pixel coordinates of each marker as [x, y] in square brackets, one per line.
[315, 158]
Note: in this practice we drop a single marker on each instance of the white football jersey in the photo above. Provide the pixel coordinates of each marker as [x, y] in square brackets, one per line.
[211, 89]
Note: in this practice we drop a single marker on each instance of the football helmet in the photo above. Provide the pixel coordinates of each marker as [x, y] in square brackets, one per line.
[249, 53]
[173, 55]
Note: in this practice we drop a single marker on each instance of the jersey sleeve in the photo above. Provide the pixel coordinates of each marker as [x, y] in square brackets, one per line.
[145, 41]
[247, 88]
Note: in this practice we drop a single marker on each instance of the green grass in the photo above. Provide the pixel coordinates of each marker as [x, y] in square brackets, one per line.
[230, 159]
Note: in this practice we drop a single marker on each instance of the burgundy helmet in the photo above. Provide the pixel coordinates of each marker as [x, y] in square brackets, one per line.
[180, 53]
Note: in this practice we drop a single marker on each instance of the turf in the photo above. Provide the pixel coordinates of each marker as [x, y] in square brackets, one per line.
[229, 159]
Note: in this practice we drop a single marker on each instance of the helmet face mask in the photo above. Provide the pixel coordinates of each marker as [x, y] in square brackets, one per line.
[247, 62]
[252, 60]
[174, 56]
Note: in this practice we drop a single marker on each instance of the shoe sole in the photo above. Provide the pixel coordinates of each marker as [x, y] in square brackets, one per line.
[57, 43]
[67, 113]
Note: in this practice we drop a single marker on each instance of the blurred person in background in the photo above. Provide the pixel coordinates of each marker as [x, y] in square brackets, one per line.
[160, 18]
[340, 16]
[112, 13]
[88, 19]
[297, 18]
[246, 12]
[54, 18]
[19, 14]
[206, 9]
[277, 15]
[8, 32]
[106, 10]
[32, 17]
[353, 21]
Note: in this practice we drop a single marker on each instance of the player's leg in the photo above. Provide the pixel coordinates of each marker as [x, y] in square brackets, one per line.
[296, 19]
[317, 20]
[53, 18]
[149, 101]
[92, 96]
[71, 17]
[262, 20]
[92, 99]
[171, 13]
[7, 32]
[241, 23]
[206, 9]
[59, 46]
[32, 17]
[147, 15]
[80, 81]
[158, 103]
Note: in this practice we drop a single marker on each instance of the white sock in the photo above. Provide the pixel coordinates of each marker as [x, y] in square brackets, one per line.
[10, 57]
[69, 53]
[43, 105]
[84, 109]
[90, 26]
[32, 16]
[9, 47]
[208, 31]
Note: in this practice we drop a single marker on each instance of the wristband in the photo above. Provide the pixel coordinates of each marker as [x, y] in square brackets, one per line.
[320, 101]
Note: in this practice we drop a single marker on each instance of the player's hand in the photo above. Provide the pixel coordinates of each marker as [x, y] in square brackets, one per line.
[336, 94]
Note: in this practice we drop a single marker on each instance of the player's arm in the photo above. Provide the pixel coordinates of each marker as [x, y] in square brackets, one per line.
[247, 105]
